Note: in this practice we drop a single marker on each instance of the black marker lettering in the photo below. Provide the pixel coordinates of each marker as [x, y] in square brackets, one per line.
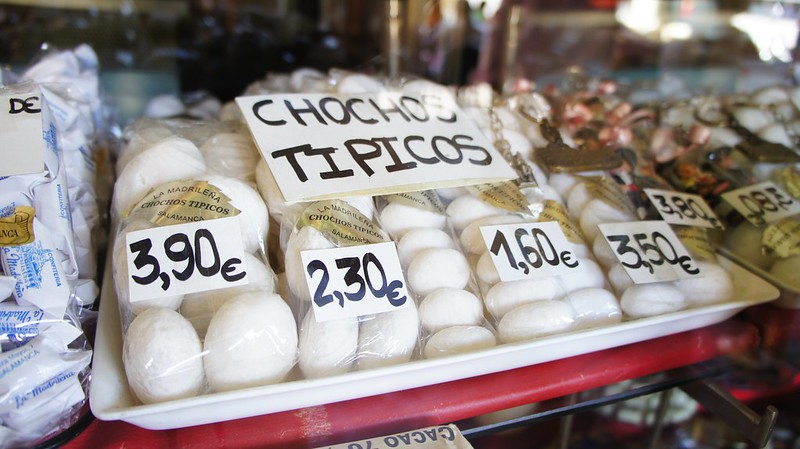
[291, 156]
[394, 109]
[360, 158]
[429, 161]
[323, 104]
[257, 112]
[335, 171]
[420, 108]
[436, 143]
[309, 109]
[350, 104]
[461, 145]
[436, 103]
[398, 164]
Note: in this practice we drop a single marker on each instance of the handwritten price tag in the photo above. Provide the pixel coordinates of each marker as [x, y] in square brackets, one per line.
[683, 208]
[529, 251]
[650, 251]
[762, 203]
[21, 129]
[354, 281]
[185, 258]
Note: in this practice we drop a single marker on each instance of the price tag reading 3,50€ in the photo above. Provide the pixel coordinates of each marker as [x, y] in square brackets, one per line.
[649, 251]
[683, 208]
[762, 203]
[185, 258]
[353, 281]
[529, 251]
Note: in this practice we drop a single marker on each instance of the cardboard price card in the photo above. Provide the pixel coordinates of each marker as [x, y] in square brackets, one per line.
[321, 146]
[21, 129]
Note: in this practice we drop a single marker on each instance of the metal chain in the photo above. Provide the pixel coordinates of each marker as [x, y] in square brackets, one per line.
[524, 172]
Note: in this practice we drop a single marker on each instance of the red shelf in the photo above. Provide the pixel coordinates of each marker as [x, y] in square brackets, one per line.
[435, 404]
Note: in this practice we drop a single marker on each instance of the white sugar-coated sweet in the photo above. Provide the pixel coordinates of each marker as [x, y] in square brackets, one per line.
[471, 237]
[579, 196]
[723, 136]
[398, 218]
[269, 190]
[199, 307]
[253, 217]
[445, 307]
[119, 264]
[306, 238]
[327, 348]
[458, 340]
[548, 193]
[563, 183]
[580, 250]
[619, 279]
[232, 155]
[603, 253]
[164, 106]
[486, 271]
[419, 239]
[519, 143]
[419, 87]
[162, 356]
[231, 112]
[139, 136]
[535, 319]
[753, 118]
[588, 274]
[299, 78]
[776, 132]
[597, 212]
[388, 338]
[594, 307]
[508, 295]
[170, 159]
[768, 95]
[711, 286]
[468, 208]
[358, 83]
[745, 241]
[448, 194]
[787, 271]
[363, 203]
[643, 300]
[437, 268]
[251, 341]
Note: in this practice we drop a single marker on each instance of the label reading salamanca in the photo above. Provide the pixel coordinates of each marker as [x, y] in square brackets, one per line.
[183, 202]
[505, 195]
[17, 228]
[425, 199]
[341, 223]
[555, 211]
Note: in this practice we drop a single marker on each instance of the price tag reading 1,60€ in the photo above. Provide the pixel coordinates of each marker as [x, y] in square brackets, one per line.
[649, 251]
[185, 258]
[683, 208]
[762, 203]
[353, 281]
[529, 251]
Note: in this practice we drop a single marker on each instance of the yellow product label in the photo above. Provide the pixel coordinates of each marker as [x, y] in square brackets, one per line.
[341, 223]
[424, 199]
[609, 192]
[505, 195]
[554, 211]
[17, 228]
[789, 178]
[183, 202]
[782, 238]
[696, 241]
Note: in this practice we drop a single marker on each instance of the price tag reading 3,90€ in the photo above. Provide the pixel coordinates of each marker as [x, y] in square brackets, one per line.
[649, 251]
[353, 281]
[529, 251]
[185, 258]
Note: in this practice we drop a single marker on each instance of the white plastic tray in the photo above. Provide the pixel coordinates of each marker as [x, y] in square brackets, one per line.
[110, 398]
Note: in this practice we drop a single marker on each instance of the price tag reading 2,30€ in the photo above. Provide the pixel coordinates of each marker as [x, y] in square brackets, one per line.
[353, 281]
[649, 251]
[762, 203]
[529, 251]
[185, 258]
[683, 208]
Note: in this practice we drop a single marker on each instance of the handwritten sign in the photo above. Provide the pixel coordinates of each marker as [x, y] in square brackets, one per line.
[22, 151]
[321, 146]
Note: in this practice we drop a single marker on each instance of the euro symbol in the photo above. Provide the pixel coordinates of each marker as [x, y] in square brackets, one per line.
[27, 105]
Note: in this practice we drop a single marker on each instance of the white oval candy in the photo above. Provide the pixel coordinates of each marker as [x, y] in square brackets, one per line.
[416, 240]
[251, 341]
[200, 307]
[253, 217]
[170, 159]
[232, 155]
[619, 279]
[505, 296]
[397, 219]
[712, 286]
[358, 83]
[598, 211]
[327, 348]
[603, 253]
[535, 319]
[753, 118]
[458, 340]
[593, 307]
[448, 194]
[579, 196]
[445, 307]
[306, 238]
[162, 356]
[466, 209]
[787, 271]
[563, 183]
[388, 338]
[643, 300]
[471, 237]
[589, 274]
[437, 268]
[139, 136]
[269, 190]
[486, 271]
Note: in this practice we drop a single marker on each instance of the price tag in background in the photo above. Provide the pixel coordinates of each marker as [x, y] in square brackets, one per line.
[762, 203]
[649, 251]
[529, 251]
[353, 281]
[185, 258]
[683, 208]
